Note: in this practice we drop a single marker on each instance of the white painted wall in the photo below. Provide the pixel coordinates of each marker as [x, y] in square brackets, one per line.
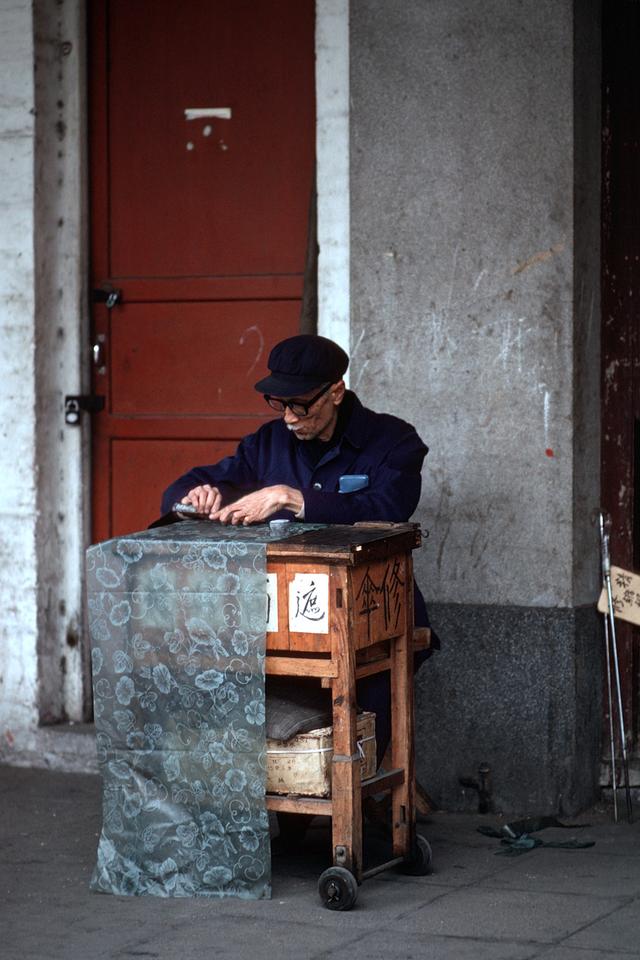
[332, 157]
[42, 319]
[18, 599]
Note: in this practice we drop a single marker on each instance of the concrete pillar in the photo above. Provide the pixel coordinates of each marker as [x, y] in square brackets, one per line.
[474, 291]
[62, 354]
[332, 168]
[43, 358]
[18, 595]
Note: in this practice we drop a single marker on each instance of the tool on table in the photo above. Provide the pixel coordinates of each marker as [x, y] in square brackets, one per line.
[184, 508]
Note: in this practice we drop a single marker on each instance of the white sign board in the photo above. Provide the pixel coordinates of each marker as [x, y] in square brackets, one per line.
[309, 603]
[272, 603]
[625, 592]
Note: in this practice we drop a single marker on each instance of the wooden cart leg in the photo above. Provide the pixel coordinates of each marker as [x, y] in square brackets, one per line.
[403, 811]
[346, 799]
[346, 812]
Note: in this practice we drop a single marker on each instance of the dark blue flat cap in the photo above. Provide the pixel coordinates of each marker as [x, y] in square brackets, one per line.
[301, 363]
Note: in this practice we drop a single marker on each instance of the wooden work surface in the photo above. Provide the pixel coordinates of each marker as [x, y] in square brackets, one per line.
[348, 544]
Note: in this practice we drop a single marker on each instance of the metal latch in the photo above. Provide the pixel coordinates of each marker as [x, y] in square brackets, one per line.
[108, 297]
[73, 405]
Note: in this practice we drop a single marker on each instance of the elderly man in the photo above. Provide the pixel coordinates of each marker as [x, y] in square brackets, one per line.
[327, 459]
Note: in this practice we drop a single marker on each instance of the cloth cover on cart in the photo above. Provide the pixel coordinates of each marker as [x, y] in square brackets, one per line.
[177, 619]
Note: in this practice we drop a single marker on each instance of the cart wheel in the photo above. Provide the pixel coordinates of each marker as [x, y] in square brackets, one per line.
[337, 888]
[420, 863]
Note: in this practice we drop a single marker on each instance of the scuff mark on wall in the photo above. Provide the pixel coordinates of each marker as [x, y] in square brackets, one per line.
[546, 399]
[258, 333]
[539, 257]
[512, 341]
[360, 373]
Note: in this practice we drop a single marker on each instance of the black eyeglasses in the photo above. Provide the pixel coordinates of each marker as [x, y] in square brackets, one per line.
[299, 407]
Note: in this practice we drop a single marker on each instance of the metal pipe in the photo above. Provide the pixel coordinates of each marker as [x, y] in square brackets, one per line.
[616, 671]
[606, 574]
[612, 745]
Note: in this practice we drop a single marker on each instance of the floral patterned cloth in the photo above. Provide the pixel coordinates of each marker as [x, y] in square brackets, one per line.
[177, 623]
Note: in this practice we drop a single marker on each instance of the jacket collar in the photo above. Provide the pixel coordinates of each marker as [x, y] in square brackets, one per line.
[356, 429]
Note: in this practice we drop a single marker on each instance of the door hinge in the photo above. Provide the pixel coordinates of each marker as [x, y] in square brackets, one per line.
[73, 405]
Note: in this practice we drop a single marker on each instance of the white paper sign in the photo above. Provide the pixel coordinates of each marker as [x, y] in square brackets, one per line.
[625, 593]
[309, 603]
[272, 603]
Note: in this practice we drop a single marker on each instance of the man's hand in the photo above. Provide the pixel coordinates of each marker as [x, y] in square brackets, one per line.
[259, 506]
[205, 499]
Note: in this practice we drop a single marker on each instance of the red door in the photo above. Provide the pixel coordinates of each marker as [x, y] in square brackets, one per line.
[202, 156]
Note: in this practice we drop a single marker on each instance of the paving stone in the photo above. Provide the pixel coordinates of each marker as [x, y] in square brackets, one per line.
[619, 930]
[572, 953]
[508, 914]
[571, 871]
[411, 946]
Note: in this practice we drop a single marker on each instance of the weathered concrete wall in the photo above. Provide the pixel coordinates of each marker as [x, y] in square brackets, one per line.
[474, 315]
[18, 600]
[42, 271]
[332, 168]
[62, 359]
[462, 201]
[586, 295]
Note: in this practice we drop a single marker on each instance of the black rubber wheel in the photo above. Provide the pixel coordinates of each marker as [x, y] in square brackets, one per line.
[420, 864]
[338, 888]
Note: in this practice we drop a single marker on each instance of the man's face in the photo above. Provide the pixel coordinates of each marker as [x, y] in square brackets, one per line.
[320, 422]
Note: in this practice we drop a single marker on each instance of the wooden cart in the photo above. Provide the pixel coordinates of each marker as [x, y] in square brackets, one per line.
[341, 608]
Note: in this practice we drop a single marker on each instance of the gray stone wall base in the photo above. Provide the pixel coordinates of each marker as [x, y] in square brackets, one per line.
[66, 748]
[519, 689]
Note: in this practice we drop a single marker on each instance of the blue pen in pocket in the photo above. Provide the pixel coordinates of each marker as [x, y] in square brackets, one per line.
[350, 482]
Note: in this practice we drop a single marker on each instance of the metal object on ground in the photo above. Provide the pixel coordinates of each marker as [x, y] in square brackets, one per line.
[483, 785]
[611, 641]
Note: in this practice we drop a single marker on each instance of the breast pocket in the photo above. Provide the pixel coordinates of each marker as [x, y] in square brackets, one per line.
[351, 482]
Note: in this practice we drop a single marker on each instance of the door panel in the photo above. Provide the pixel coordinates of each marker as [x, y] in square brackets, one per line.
[221, 193]
[199, 221]
[218, 349]
[149, 465]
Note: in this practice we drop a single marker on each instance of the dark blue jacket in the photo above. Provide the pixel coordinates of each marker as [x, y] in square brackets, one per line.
[384, 448]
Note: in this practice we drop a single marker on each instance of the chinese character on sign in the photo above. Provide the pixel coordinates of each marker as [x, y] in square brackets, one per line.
[622, 579]
[625, 595]
[367, 594]
[387, 594]
[309, 603]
